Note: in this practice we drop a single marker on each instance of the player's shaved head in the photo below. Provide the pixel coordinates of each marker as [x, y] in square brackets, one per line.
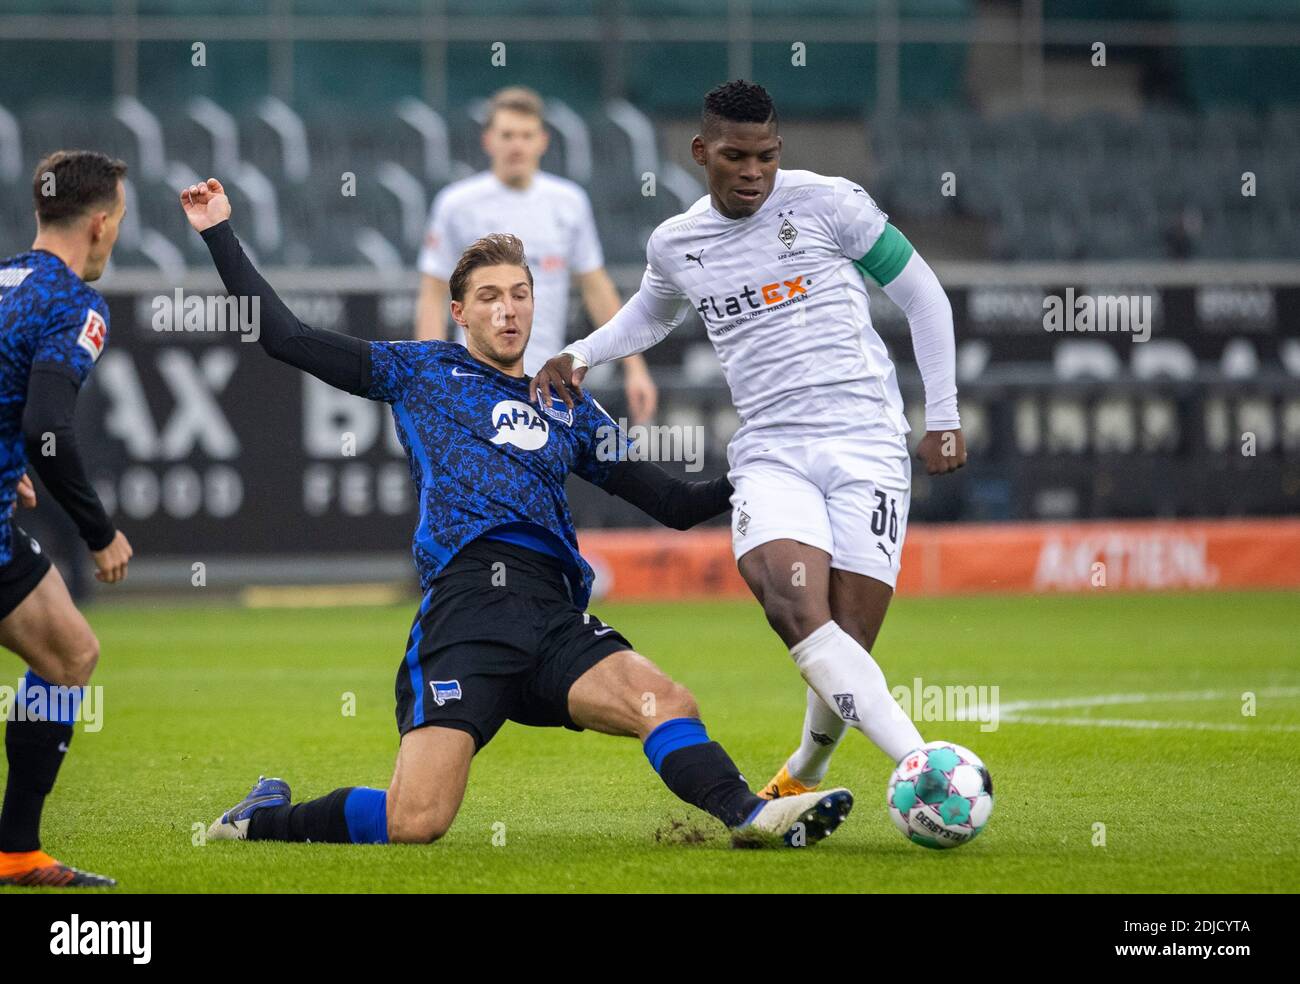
[739, 147]
[737, 101]
[69, 184]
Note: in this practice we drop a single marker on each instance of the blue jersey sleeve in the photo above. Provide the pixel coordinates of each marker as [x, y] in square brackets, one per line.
[74, 339]
[602, 443]
[393, 365]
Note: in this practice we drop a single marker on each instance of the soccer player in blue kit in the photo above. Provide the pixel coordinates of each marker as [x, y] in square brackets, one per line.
[502, 632]
[53, 327]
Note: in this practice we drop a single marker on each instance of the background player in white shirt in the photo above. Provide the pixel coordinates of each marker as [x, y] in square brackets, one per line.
[774, 263]
[554, 219]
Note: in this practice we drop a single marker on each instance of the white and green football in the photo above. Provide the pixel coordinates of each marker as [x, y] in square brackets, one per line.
[940, 795]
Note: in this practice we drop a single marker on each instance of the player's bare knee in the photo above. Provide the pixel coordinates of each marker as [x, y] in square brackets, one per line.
[75, 663]
[793, 618]
[423, 827]
[87, 660]
[84, 660]
[677, 702]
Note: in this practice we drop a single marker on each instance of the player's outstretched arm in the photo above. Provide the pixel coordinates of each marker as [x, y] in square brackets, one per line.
[645, 320]
[668, 500]
[340, 360]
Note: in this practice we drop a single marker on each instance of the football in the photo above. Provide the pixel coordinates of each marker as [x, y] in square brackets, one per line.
[940, 796]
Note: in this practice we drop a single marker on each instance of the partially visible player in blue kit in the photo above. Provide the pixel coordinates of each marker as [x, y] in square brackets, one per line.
[53, 327]
[502, 632]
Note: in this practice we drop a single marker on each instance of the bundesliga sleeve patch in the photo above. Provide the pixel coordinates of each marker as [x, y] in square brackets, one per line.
[92, 334]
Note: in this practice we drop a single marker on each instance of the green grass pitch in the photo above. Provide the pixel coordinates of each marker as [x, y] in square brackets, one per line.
[1195, 796]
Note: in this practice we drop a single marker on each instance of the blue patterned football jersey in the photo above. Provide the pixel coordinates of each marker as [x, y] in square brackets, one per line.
[484, 457]
[50, 317]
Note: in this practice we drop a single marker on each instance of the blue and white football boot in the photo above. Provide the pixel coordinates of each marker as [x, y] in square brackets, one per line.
[233, 824]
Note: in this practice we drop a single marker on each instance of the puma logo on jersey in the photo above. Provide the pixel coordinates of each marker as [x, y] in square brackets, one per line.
[92, 334]
[888, 553]
[697, 258]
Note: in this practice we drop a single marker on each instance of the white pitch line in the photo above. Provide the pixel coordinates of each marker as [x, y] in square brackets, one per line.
[1102, 700]
[1128, 723]
[1011, 712]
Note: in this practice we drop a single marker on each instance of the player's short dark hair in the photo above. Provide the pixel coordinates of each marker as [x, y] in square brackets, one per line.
[517, 99]
[492, 250]
[736, 101]
[69, 183]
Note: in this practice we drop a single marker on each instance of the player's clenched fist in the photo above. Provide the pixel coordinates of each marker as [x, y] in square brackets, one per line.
[560, 376]
[110, 563]
[205, 204]
[942, 451]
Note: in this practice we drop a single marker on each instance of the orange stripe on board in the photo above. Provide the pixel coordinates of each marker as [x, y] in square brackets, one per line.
[1159, 555]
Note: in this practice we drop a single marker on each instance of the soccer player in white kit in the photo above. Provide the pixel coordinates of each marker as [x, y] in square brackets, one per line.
[773, 261]
[553, 217]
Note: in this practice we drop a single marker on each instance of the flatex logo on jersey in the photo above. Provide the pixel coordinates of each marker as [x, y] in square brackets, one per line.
[519, 424]
[752, 301]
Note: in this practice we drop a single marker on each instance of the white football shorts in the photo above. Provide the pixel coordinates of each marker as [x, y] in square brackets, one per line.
[846, 496]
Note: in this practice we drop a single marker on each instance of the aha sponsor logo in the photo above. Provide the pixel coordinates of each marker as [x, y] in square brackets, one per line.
[519, 424]
[92, 334]
[754, 299]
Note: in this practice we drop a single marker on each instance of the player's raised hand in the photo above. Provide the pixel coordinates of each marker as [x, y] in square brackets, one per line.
[942, 451]
[110, 563]
[205, 204]
[557, 377]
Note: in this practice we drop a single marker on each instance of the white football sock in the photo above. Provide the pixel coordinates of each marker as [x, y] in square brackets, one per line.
[847, 679]
[822, 730]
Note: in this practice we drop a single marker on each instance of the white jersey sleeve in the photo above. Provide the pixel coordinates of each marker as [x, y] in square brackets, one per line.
[645, 320]
[857, 222]
[585, 253]
[929, 317]
[438, 255]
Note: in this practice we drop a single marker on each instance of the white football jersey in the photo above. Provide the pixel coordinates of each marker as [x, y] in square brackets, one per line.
[786, 308]
[554, 219]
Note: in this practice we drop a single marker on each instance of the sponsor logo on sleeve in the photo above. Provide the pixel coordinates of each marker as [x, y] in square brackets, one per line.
[93, 333]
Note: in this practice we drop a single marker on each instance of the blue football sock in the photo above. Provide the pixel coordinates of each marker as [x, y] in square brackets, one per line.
[351, 815]
[36, 739]
[367, 815]
[699, 771]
